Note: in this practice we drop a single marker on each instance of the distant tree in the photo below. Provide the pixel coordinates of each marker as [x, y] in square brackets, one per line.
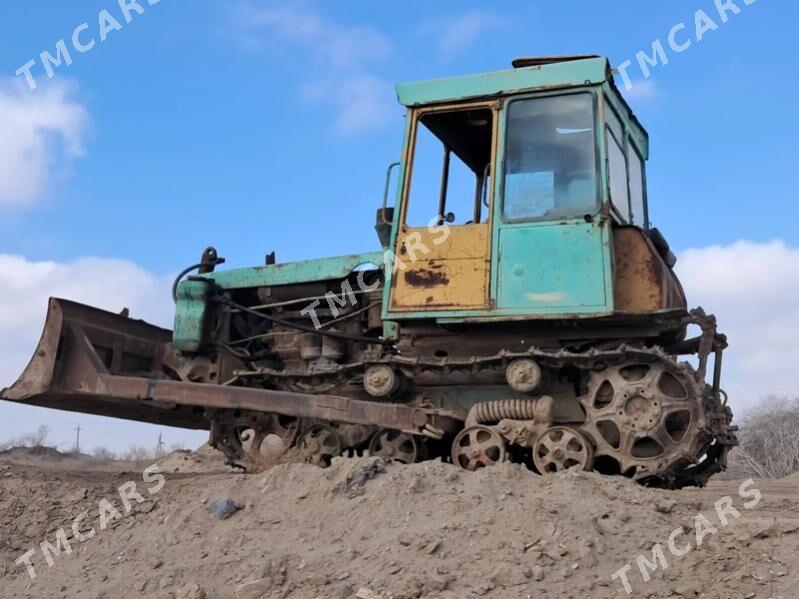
[136, 453]
[37, 438]
[769, 438]
[103, 454]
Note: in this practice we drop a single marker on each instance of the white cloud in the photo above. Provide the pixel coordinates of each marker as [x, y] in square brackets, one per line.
[363, 101]
[104, 283]
[341, 47]
[641, 89]
[42, 132]
[100, 282]
[455, 35]
[753, 289]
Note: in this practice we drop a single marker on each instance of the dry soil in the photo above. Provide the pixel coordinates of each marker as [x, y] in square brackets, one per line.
[370, 530]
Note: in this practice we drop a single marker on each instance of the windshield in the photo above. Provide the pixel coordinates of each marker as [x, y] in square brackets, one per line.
[550, 158]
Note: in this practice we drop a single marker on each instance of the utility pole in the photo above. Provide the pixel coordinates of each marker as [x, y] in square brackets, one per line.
[77, 442]
[158, 450]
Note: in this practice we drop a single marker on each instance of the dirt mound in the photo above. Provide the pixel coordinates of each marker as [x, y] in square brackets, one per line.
[205, 459]
[792, 478]
[202, 460]
[371, 530]
[48, 457]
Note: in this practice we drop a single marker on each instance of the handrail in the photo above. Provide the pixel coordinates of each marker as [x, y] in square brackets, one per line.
[389, 170]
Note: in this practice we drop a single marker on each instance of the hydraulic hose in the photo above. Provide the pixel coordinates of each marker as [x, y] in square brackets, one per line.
[185, 271]
[179, 278]
[304, 328]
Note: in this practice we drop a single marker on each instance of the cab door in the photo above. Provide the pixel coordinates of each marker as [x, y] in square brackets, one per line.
[443, 243]
[552, 244]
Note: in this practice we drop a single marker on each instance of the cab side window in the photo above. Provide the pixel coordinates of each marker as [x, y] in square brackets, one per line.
[617, 171]
[637, 199]
[450, 176]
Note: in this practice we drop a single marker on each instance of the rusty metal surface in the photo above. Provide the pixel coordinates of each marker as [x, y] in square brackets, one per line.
[562, 448]
[435, 270]
[121, 344]
[395, 446]
[650, 423]
[113, 366]
[524, 375]
[478, 447]
[426, 277]
[78, 344]
[642, 282]
[289, 403]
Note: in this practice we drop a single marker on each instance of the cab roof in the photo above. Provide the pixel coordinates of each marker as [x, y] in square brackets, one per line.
[546, 72]
[529, 74]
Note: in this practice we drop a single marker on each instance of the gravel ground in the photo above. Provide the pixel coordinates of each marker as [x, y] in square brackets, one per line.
[370, 530]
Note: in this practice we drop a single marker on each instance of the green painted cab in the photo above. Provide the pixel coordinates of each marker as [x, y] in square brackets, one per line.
[554, 269]
[533, 169]
[511, 188]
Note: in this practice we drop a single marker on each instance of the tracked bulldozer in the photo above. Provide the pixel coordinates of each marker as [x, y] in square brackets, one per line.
[520, 307]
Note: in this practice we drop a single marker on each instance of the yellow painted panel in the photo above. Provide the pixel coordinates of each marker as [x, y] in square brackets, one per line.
[455, 242]
[442, 268]
[441, 284]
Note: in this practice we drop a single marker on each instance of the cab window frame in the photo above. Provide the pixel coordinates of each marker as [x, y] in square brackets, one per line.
[611, 138]
[615, 130]
[633, 149]
[623, 132]
[503, 148]
[417, 114]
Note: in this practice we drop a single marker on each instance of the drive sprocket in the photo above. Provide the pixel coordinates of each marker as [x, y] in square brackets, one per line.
[647, 419]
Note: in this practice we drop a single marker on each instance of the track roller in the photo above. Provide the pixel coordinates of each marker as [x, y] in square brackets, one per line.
[562, 448]
[478, 447]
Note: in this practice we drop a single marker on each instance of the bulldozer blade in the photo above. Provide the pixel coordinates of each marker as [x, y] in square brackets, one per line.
[96, 362]
[79, 345]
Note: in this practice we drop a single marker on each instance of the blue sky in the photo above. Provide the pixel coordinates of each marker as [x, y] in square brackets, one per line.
[259, 126]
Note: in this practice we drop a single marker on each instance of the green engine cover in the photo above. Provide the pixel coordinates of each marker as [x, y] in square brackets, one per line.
[191, 314]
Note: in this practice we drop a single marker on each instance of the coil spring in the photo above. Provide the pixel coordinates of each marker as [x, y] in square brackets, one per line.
[489, 412]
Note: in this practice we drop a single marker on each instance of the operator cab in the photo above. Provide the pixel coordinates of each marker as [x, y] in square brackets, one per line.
[511, 185]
